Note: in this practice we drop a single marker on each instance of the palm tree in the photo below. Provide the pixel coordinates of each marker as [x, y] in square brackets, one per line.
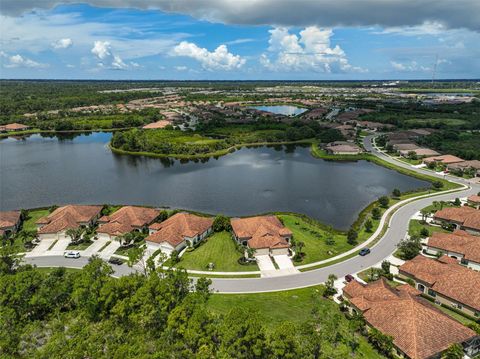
[424, 214]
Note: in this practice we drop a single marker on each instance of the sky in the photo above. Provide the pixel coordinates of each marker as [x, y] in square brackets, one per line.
[240, 39]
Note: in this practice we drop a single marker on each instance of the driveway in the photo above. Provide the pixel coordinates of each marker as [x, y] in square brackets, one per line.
[285, 264]
[95, 247]
[61, 245]
[41, 248]
[266, 265]
[109, 250]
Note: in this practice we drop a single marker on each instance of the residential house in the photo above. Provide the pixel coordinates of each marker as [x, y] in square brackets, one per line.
[157, 125]
[343, 148]
[177, 232]
[13, 127]
[465, 166]
[466, 218]
[9, 222]
[266, 235]
[56, 224]
[126, 219]
[443, 159]
[446, 282]
[474, 201]
[420, 152]
[419, 329]
[459, 245]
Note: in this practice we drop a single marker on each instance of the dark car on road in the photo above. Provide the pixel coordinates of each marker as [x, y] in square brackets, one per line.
[349, 278]
[364, 251]
[116, 261]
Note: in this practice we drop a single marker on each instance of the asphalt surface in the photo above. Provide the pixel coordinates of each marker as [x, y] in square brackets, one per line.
[381, 250]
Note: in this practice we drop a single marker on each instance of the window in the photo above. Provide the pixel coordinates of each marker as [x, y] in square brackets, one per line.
[464, 261]
[432, 293]
[421, 287]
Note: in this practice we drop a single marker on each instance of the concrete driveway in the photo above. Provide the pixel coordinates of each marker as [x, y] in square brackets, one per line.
[95, 247]
[109, 250]
[285, 264]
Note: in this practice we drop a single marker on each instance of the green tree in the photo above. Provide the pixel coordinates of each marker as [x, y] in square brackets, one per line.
[424, 232]
[454, 351]
[383, 342]
[368, 225]
[9, 259]
[221, 223]
[352, 236]
[283, 342]
[376, 213]
[384, 201]
[330, 286]
[174, 257]
[202, 286]
[437, 184]
[396, 193]
[425, 213]
[410, 247]
[75, 234]
[457, 202]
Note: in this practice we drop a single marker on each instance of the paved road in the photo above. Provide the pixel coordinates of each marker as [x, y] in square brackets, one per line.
[384, 248]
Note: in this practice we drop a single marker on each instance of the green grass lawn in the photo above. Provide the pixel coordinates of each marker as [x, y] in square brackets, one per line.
[123, 251]
[33, 216]
[219, 249]
[294, 306]
[80, 247]
[415, 226]
[313, 236]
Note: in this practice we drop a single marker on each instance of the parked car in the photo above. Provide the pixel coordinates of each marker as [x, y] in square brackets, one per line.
[349, 278]
[71, 254]
[364, 251]
[116, 261]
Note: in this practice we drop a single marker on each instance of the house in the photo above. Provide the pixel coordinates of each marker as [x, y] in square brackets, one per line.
[9, 222]
[459, 245]
[157, 125]
[474, 201]
[405, 146]
[446, 282]
[444, 159]
[419, 329]
[264, 234]
[461, 167]
[465, 217]
[177, 232]
[12, 127]
[420, 152]
[125, 220]
[56, 224]
[343, 148]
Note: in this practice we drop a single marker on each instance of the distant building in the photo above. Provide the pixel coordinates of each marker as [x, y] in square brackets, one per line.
[464, 166]
[9, 222]
[13, 127]
[465, 217]
[474, 201]
[157, 125]
[343, 148]
[445, 159]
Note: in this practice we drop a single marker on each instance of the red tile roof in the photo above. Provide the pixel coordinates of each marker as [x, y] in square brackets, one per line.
[158, 124]
[467, 216]
[474, 199]
[9, 218]
[262, 232]
[126, 219]
[67, 217]
[174, 229]
[14, 127]
[446, 277]
[459, 242]
[418, 328]
[446, 159]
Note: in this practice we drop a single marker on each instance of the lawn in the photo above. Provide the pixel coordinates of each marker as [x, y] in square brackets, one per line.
[33, 216]
[273, 308]
[314, 237]
[415, 226]
[80, 246]
[219, 249]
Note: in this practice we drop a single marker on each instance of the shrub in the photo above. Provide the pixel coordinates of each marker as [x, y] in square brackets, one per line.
[384, 201]
[352, 236]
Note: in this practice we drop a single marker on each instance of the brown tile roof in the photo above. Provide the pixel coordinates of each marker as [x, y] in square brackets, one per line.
[466, 164]
[126, 219]
[158, 124]
[459, 242]
[174, 229]
[418, 328]
[446, 159]
[67, 217]
[447, 278]
[261, 231]
[456, 214]
[474, 199]
[9, 218]
[15, 127]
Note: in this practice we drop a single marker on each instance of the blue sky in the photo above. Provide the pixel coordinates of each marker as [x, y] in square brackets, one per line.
[96, 41]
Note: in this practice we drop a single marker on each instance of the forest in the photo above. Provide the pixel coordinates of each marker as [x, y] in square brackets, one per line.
[89, 314]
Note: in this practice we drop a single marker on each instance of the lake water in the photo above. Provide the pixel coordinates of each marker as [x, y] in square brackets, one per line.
[282, 109]
[39, 171]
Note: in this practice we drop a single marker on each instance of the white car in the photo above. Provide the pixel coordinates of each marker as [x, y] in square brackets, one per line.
[71, 254]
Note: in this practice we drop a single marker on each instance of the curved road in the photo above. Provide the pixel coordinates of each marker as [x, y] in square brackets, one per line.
[381, 250]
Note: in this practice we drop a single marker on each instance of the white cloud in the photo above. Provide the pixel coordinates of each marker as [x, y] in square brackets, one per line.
[454, 14]
[103, 51]
[181, 68]
[14, 61]
[62, 43]
[410, 66]
[311, 51]
[219, 59]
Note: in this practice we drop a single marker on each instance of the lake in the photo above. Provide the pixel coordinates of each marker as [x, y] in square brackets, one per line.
[286, 110]
[39, 171]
